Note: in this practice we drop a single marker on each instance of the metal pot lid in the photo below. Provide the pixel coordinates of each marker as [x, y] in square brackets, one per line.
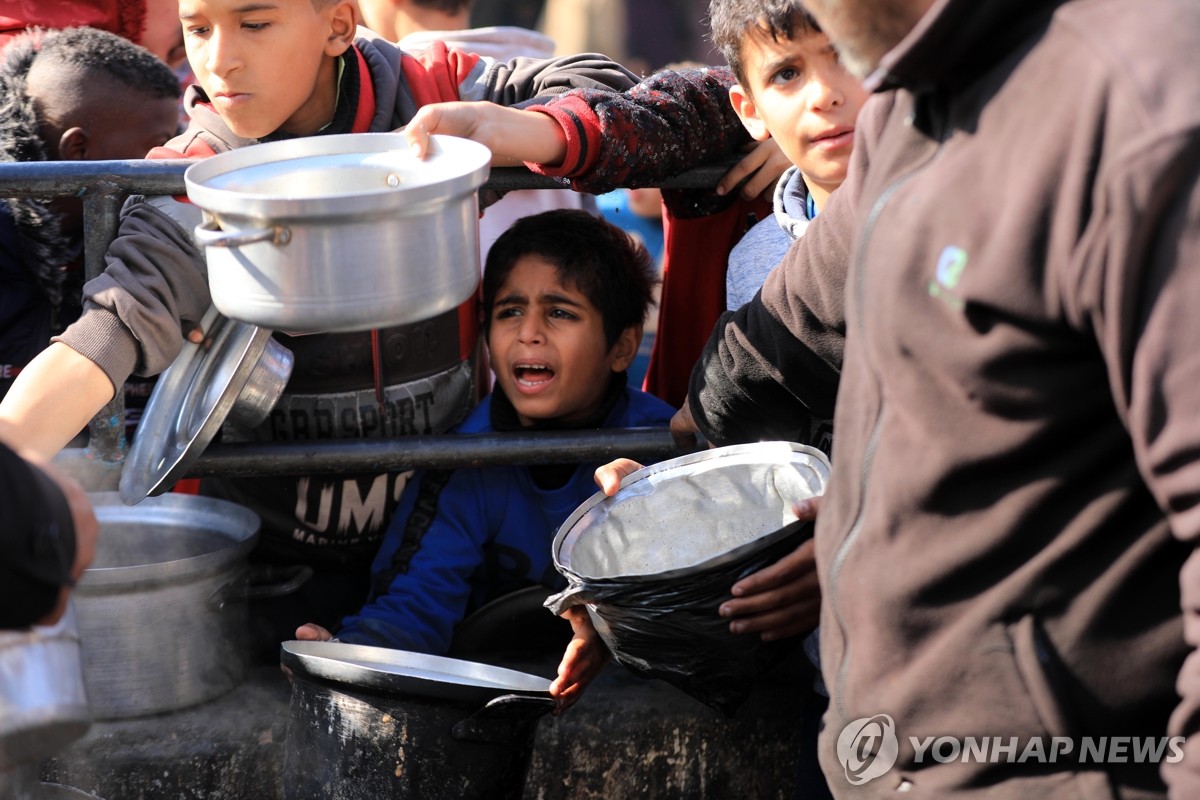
[191, 400]
[399, 672]
[341, 175]
[691, 513]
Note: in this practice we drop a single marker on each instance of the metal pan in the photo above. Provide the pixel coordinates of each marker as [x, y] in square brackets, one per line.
[401, 672]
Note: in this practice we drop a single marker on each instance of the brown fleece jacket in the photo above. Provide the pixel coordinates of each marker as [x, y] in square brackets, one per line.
[1016, 470]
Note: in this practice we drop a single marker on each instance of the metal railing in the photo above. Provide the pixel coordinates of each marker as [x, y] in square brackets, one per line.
[102, 186]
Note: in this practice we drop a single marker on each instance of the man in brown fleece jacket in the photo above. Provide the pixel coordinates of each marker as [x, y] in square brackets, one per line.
[1011, 271]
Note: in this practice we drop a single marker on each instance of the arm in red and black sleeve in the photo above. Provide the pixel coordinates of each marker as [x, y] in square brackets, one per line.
[669, 123]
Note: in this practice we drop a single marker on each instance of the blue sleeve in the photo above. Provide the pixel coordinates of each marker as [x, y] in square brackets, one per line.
[421, 578]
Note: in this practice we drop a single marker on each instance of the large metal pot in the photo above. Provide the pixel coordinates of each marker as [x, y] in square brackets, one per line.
[369, 722]
[340, 233]
[162, 612]
[654, 594]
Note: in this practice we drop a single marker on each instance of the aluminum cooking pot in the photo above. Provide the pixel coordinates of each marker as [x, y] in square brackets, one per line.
[162, 611]
[370, 722]
[653, 563]
[43, 704]
[340, 233]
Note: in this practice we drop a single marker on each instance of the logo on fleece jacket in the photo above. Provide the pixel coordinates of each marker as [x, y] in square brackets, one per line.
[950, 266]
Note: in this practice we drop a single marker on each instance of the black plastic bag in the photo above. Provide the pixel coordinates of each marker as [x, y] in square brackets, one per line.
[669, 628]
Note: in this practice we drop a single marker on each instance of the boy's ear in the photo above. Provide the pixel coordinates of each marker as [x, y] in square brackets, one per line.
[747, 111]
[341, 28]
[625, 348]
[72, 145]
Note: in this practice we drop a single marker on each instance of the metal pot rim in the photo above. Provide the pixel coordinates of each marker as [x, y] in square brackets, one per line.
[239, 523]
[457, 166]
[778, 452]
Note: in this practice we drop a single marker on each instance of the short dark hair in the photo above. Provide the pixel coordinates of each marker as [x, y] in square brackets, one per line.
[120, 59]
[608, 266]
[732, 20]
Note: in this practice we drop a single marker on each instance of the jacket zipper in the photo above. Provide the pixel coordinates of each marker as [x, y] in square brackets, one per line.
[868, 457]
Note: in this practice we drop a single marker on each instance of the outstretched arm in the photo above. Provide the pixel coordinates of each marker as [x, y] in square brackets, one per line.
[53, 398]
[514, 136]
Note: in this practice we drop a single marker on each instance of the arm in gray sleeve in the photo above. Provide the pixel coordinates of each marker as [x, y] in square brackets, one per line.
[155, 281]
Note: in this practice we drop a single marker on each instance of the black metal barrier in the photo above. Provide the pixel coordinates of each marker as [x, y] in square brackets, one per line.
[103, 185]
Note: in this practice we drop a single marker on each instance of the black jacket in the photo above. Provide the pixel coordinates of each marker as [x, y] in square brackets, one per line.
[37, 542]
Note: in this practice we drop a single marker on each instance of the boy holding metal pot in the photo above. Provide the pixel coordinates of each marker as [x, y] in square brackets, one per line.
[565, 295]
[270, 71]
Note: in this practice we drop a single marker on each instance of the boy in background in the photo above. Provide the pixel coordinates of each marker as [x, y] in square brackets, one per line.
[78, 94]
[792, 88]
[565, 295]
[785, 82]
[266, 72]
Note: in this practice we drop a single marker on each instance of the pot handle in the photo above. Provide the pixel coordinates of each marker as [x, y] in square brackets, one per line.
[265, 581]
[500, 721]
[209, 235]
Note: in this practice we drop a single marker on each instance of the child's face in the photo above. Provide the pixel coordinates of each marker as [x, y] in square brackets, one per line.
[799, 93]
[267, 65]
[547, 345]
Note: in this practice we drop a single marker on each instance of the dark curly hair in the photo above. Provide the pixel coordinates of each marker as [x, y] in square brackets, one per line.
[100, 51]
[732, 20]
[608, 266]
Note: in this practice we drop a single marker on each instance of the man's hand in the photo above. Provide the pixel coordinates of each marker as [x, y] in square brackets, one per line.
[312, 632]
[764, 163]
[514, 136]
[684, 428]
[783, 599]
[585, 656]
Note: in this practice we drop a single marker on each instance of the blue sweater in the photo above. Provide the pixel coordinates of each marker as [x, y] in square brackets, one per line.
[463, 537]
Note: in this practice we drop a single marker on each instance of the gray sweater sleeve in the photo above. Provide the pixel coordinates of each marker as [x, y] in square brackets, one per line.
[155, 281]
